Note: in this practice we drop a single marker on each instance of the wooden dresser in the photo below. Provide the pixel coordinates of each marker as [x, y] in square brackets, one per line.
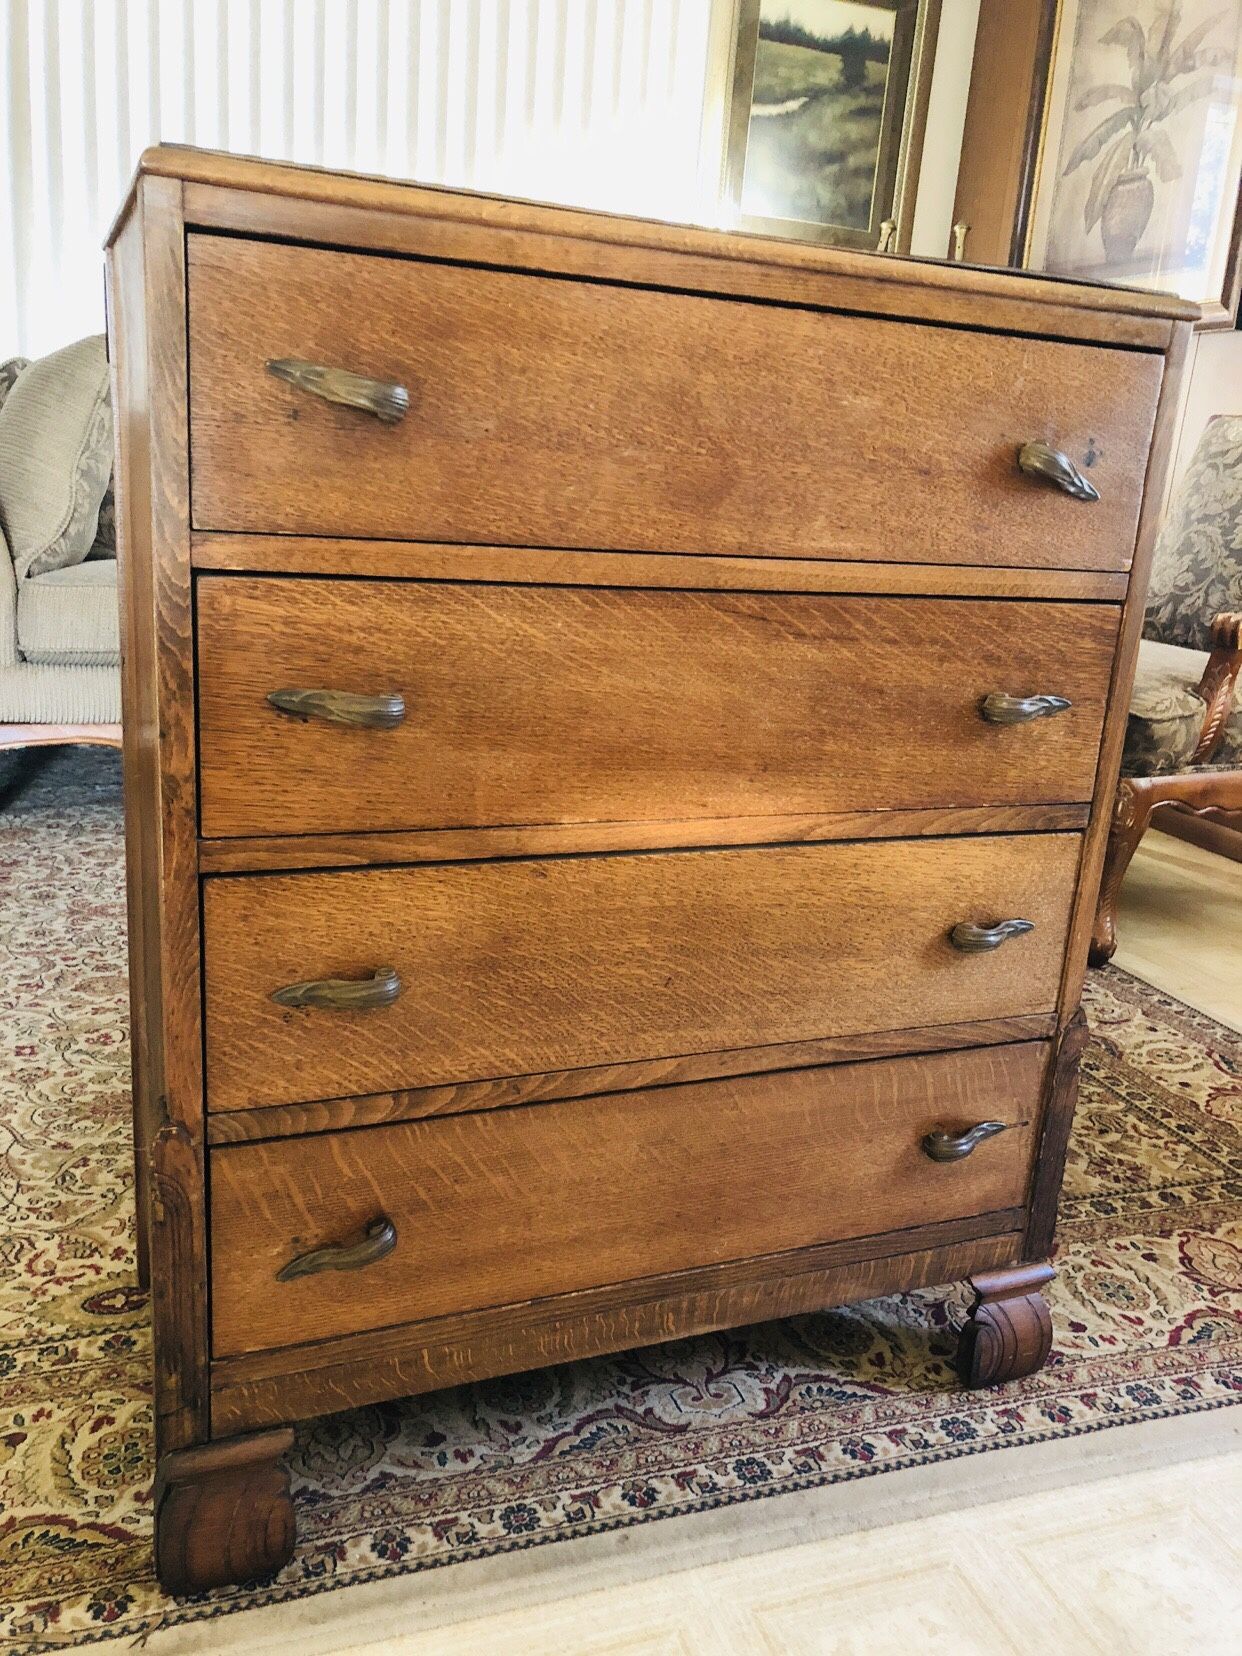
[620, 725]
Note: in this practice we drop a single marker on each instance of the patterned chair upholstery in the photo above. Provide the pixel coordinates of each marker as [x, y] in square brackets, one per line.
[1196, 578]
[1184, 735]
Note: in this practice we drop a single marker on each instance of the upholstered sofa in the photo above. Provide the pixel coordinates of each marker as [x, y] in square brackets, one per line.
[1183, 741]
[59, 641]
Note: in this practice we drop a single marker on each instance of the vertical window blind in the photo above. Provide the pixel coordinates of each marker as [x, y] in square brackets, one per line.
[605, 103]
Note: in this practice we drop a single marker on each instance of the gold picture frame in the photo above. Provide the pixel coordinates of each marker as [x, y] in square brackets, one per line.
[836, 159]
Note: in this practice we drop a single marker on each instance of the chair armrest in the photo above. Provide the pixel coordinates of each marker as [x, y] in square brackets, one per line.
[1219, 681]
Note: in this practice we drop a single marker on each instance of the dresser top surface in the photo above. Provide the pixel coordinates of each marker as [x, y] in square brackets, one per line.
[210, 169]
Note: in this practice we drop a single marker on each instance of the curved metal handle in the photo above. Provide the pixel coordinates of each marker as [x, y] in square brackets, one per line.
[1043, 461]
[972, 939]
[379, 1239]
[341, 707]
[385, 399]
[943, 1146]
[343, 994]
[1004, 709]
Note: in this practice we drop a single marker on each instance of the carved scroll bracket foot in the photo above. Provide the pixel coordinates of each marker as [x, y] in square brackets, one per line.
[1009, 1332]
[223, 1513]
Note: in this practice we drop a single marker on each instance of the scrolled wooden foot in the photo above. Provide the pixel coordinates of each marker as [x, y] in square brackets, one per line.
[1009, 1333]
[223, 1513]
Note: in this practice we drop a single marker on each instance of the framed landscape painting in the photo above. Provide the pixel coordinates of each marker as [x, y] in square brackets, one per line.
[825, 126]
[1141, 161]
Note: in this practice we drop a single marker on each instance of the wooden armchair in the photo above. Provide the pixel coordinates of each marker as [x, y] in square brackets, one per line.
[1184, 736]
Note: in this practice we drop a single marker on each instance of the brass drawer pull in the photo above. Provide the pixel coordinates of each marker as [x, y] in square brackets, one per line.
[341, 707]
[1004, 709]
[1043, 461]
[944, 1146]
[379, 1239]
[384, 398]
[972, 939]
[343, 994]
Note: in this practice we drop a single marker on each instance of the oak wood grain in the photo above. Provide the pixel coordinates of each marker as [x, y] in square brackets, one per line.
[544, 964]
[359, 850]
[332, 1114]
[242, 193]
[612, 445]
[1008, 1334]
[146, 287]
[502, 1206]
[895, 291]
[544, 566]
[1057, 1120]
[223, 1512]
[559, 705]
[291, 1384]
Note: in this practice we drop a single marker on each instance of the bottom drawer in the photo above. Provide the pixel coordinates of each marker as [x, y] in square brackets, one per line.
[425, 1218]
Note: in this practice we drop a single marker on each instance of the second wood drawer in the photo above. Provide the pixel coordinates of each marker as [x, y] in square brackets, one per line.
[533, 965]
[516, 1204]
[526, 704]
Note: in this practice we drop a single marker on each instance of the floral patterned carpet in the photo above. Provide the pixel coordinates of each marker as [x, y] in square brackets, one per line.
[1147, 1307]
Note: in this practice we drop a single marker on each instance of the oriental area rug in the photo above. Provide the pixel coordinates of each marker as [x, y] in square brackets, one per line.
[1147, 1306]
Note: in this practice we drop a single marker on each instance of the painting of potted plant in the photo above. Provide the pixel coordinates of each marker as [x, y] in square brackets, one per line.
[1141, 161]
[1133, 141]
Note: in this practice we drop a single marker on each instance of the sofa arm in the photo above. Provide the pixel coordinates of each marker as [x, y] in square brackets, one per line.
[8, 607]
[1218, 684]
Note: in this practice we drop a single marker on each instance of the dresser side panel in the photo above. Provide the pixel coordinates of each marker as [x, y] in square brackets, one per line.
[1062, 1091]
[1124, 663]
[148, 349]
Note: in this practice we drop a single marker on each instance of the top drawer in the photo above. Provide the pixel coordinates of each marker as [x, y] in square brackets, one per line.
[560, 413]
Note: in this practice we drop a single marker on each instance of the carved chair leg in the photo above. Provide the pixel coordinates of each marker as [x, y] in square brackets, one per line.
[1009, 1333]
[223, 1512]
[1131, 814]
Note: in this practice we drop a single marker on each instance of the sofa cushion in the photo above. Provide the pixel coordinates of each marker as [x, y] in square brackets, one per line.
[1166, 713]
[55, 457]
[68, 617]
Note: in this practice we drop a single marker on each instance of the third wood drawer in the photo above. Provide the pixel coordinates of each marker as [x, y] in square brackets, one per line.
[346, 983]
[522, 704]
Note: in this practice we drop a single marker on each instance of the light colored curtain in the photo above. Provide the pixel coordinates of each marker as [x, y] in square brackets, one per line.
[595, 102]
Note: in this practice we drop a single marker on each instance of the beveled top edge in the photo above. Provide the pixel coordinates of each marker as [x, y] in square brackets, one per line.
[320, 185]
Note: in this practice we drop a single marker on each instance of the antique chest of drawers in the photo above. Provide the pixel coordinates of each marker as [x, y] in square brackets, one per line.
[620, 724]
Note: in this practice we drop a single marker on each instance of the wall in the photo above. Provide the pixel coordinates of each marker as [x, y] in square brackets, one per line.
[1213, 386]
[946, 117]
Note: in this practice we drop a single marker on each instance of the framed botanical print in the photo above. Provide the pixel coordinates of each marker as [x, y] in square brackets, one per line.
[1141, 159]
[827, 115]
